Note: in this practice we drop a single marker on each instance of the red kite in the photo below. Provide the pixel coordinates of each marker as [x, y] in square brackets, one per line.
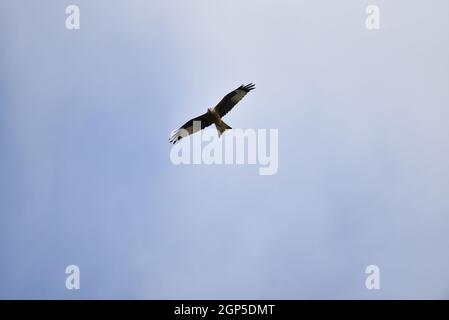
[213, 115]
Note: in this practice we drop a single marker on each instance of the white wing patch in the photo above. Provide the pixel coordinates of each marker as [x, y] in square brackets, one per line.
[184, 132]
[180, 133]
[238, 96]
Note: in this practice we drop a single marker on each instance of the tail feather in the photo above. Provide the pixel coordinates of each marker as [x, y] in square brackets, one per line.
[222, 127]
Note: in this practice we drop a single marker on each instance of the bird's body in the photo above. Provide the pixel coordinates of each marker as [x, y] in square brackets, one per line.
[213, 115]
[219, 124]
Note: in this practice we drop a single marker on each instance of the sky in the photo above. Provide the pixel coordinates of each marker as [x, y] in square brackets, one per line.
[86, 176]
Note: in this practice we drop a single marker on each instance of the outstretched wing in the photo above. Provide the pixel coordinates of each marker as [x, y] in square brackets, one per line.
[232, 98]
[189, 127]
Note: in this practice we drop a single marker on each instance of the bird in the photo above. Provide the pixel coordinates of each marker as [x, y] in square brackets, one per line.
[213, 115]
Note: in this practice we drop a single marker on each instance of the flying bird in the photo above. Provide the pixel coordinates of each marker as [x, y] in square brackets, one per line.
[213, 115]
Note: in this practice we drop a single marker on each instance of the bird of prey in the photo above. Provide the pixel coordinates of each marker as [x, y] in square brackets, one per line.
[213, 115]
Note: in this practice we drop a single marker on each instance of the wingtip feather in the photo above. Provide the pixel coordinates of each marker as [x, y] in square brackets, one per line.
[249, 87]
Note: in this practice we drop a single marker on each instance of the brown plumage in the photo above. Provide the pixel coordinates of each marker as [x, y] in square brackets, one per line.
[213, 115]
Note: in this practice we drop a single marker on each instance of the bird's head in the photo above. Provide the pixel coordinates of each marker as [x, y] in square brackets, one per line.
[210, 110]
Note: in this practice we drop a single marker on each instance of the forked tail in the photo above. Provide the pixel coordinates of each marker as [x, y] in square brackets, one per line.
[222, 127]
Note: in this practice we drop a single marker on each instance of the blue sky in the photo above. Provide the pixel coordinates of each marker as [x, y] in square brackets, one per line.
[86, 177]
